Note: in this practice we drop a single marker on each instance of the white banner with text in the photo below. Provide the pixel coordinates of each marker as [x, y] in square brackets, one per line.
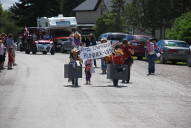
[96, 52]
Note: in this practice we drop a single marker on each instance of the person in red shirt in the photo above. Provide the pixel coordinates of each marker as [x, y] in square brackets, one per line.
[128, 60]
[117, 59]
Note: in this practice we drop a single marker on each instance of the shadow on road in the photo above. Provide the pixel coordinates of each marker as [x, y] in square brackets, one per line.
[71, 86]
[120, 86]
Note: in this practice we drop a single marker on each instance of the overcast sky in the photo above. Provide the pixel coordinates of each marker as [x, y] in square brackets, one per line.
[7, 3]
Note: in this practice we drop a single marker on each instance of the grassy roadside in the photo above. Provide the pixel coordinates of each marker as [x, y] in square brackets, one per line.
[158, 61]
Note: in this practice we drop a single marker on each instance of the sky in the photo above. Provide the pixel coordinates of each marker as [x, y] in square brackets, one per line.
[7, 3]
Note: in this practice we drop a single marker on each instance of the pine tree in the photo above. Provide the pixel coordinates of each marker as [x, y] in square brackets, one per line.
[118, 7]
[27, 11]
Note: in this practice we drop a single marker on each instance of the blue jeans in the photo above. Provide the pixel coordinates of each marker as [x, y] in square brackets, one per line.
[103, 65]
[151, 61]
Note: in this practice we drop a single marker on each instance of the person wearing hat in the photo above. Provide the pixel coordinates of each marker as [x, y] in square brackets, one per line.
[75, 60]
[151, 55]
[128, 59]
[118, 59]
[10, 45]
[88, 70]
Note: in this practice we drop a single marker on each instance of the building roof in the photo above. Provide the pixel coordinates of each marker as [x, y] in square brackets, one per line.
[87, 5]
[91, 5]
[108, 4]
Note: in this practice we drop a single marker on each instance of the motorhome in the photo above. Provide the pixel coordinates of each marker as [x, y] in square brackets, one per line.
[60, 28]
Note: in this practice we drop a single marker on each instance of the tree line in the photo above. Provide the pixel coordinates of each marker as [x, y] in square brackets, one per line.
[138, 14]
[7, 24]
[26, 11]
[143, 15]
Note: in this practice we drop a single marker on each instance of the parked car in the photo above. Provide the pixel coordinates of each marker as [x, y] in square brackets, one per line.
[189, 58]
[173, 50]
[138, 43]
[63, 44]
[44, 46]
[113, 36]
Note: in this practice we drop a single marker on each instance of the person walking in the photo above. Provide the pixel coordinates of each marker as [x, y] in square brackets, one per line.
[151, 55]
[75, 61]
[118, 60]
[88, 70]
[76, 40]
[14, 54]
[10, 46]
[128, 59]
[103, 60]
[92, 42]
[2, 52]
[4, 38]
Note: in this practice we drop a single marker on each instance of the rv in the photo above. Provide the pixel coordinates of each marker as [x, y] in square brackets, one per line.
[60, 29]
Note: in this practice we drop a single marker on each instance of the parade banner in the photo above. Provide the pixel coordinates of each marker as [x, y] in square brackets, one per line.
[96, 52]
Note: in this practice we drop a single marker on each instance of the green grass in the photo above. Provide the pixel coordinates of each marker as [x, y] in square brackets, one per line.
[158, 61]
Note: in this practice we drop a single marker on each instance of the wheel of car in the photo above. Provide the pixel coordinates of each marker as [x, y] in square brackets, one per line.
[52, 53]
[163, 60]
[44, 53]
[62, 50]
[27, 52]
[174, 62]
[189, 62]
[139, 57]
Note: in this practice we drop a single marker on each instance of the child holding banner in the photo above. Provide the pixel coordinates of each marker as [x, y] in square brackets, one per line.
[88, 70]
[103, 61]
[118, 60]
[76, 61]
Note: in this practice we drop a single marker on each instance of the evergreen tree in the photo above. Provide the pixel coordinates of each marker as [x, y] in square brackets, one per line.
[27, 11]
[6, 22]
[155, 14]
[181, 28]
[118, 7]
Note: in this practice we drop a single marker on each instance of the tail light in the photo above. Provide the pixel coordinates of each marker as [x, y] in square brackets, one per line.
[172, 51]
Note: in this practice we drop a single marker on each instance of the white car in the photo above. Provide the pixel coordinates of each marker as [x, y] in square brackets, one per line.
[44, 46]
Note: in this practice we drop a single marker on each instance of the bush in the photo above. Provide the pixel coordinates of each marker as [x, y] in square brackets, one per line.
[181, 29]
[7, 23]
[104, 24]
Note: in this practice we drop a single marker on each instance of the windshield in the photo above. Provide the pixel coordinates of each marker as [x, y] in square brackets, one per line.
[142, 38]
[177, 44]
[116, 37]
[63, 40]
[61, 33]
[129, 37]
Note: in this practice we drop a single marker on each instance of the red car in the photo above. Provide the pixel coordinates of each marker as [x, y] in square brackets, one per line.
[138, 43]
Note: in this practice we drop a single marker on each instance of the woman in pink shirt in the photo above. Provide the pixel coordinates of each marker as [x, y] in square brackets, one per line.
[151, 55]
